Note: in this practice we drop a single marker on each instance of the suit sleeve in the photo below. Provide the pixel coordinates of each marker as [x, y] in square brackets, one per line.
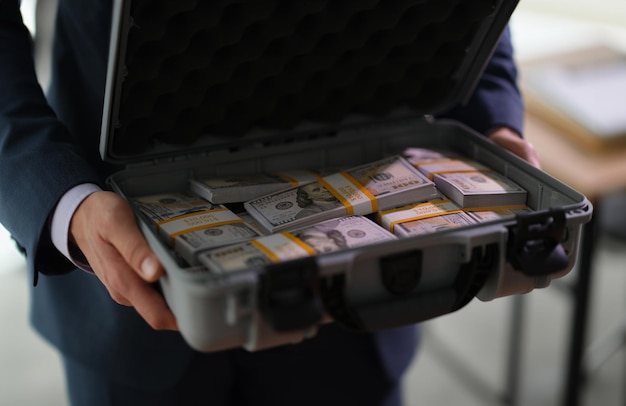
[496, 101]
[38, 160]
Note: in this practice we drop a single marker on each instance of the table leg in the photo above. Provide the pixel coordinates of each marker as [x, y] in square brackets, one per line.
[514, 359]
[582, 288]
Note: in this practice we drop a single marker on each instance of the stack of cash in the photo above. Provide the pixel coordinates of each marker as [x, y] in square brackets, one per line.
[242, 188]
[431, 162]
[424, 218]
[362, 190]
[483, 214]
[417, 155]
[432, 168]
[191, 224]
[480, 189]
[251, 222]
[327, 236]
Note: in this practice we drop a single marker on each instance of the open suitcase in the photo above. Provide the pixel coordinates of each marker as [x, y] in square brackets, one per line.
[232, 87]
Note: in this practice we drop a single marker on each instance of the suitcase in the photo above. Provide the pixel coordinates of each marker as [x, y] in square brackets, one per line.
[231, 87]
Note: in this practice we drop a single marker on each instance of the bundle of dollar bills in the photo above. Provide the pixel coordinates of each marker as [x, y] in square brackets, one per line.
[232, 189]
[432, 162]
[365, 189]
[324, 237]
[424, 218]
[251, 222]
[484, 214]
[190, 224]
[416, 155]
[480, 189]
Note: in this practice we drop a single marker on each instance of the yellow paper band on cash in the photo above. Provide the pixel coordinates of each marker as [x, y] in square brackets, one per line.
[297, 178]
[354, 196]
[451, 166]
[191, 222]
[289, 179]
[432, 161]
[497, 208]
[391, 218]
[432, 174]
[283, 246]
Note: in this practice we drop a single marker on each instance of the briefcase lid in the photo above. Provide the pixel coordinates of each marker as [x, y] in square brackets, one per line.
[188, 75]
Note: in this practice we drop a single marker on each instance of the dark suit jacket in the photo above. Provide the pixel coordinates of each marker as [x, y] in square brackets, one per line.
[47, 146]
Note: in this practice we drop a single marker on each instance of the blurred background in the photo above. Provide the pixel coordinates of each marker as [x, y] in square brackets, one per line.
[508, 351]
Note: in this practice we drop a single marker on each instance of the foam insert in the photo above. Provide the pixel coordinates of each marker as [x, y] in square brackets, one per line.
[224, 68]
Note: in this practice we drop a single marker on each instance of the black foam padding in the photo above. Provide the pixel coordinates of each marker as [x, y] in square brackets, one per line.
[224, 68]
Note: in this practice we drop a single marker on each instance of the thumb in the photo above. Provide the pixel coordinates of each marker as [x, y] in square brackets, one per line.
[127, 238]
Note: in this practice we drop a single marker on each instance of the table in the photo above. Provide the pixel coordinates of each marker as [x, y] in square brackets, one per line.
[594, 174]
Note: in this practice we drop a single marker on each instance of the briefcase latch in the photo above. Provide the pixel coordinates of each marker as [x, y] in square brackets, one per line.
[534, 245]
[289, 295]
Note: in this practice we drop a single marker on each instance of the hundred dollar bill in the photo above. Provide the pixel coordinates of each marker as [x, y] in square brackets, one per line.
[233, 189]
[161, 207]
[252, 223]
[327, 236]
[439, 166]
[432, 162]
[190, 224]
[424, 218]
[480, 189]
[362, 190]
[485, 214]
[417, 155]
[433, 224]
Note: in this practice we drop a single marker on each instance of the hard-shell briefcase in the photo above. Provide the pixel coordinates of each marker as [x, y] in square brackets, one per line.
[215, 88]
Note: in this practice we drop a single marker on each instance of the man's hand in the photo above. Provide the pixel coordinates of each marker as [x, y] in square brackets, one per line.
[510, 140]
[105, 229]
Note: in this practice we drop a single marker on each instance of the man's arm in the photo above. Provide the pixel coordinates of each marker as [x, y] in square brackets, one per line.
[496, 108]
[511, 141]
[496, 101]
[39, 163]
[105, 229]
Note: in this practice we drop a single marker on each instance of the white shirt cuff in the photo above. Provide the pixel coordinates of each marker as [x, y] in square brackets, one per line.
[60, 225]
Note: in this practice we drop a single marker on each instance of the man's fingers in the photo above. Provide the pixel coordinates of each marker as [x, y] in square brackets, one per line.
[149, 303]
[510, 140]
[137, 253]
[124, 234]
[127, 288]
[105, 229]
